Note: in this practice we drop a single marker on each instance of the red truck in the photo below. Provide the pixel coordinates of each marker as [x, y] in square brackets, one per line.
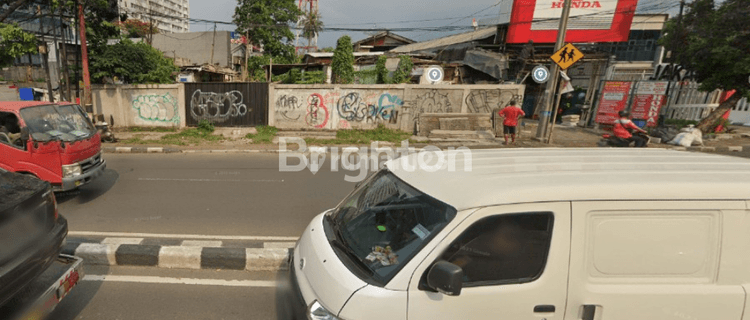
[56, 142]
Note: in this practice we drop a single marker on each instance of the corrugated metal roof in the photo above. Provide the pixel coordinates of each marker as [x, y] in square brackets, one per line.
[446, 41]
[330, 54]
[503, 176]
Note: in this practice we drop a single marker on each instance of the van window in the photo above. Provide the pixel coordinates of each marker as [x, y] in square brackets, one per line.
[52, 122]
[10, 130]
[503, 249]
[383, 224]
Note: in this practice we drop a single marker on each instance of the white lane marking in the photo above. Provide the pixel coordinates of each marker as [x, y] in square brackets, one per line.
[115, 240]
[177, 236]
[278, 245]
[207, 180]
[191, 281]
[201, 243]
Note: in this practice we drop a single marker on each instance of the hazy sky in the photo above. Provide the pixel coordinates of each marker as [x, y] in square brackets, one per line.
[388, 14]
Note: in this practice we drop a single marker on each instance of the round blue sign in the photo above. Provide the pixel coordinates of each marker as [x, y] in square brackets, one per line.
[540, 74]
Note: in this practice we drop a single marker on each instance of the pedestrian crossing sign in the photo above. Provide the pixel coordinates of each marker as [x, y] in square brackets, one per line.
[567, 56]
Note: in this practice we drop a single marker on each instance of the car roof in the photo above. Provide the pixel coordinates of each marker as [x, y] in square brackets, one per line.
[17, 105]
[502, 176]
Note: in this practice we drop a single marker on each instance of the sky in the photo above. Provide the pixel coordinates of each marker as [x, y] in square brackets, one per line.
[382, 14]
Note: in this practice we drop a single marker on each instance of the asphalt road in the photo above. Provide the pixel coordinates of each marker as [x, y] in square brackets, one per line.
[132, 293]
[206, 194]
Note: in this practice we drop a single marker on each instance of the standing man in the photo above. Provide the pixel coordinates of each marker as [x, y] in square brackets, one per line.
[510, 115]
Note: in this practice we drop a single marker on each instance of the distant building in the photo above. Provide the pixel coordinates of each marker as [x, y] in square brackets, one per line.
[195, 47]
[383, 41]
[169, 16]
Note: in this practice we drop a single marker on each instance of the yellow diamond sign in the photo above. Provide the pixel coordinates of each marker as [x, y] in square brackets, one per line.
[567, 56]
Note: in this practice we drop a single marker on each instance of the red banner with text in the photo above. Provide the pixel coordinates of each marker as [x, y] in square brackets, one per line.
[614, 98]
[648, 100]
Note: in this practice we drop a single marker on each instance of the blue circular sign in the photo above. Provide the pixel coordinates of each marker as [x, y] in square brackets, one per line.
[540, 74]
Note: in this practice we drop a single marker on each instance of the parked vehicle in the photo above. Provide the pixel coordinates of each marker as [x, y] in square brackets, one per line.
[534, 234]
[34, 276]
[55, 142]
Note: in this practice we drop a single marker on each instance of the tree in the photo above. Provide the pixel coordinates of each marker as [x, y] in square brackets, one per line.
[311, 26]
[342, 64]
[403, 71]
[713, 42]
[267, 23]
[134, 28]
[132, 63]
[14, 42]
[12, 6]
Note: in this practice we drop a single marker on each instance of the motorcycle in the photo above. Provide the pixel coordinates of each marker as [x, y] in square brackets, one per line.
[610, 140]
[104, 132]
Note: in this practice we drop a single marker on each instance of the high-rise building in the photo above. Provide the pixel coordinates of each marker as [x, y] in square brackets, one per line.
[169, 16]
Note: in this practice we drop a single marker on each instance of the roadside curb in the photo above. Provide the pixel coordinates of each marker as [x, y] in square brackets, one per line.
[366, 150]
[181, 257]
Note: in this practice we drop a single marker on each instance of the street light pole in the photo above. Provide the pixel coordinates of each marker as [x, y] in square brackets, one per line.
[544, 117]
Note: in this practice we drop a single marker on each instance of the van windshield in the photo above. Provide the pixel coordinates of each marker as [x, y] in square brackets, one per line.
[53, 122]
[383, 224]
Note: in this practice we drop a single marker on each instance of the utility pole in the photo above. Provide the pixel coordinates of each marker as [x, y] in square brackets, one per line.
[544, 117]
[213, 43]
[57, 50]
[84, 58]
[45, 56]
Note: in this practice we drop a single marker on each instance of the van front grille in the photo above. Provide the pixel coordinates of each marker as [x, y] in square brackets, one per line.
[91, 163]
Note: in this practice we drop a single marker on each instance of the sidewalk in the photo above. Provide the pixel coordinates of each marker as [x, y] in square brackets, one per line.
[563, 137]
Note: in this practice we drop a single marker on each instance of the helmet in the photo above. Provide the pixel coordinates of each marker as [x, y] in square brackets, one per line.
[623, 114]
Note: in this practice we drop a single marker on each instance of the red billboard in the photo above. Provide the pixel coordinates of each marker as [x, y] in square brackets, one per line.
[648, 100]
[590, 20]
[614, 98]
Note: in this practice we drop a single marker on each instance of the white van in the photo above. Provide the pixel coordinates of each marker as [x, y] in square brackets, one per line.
[536, 234]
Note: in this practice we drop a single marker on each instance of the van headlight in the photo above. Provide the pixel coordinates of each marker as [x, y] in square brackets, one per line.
[317, 312]
[71, 170]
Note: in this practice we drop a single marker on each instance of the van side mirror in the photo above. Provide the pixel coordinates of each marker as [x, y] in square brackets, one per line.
[446, 278]
[25, 134]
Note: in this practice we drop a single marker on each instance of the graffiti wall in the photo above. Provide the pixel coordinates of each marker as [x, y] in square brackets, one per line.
[230, 104]
[140, 105]
[336, 107]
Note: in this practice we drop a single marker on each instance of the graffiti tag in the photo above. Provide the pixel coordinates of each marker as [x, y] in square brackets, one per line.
[484, 101]
[317, 113]
[210, 106]
[287, 106]
[157, 108]
[352, 107]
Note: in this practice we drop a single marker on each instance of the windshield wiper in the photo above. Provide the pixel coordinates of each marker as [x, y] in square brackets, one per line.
[352, 256]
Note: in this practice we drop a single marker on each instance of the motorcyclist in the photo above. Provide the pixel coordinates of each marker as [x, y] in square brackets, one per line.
[623, 127]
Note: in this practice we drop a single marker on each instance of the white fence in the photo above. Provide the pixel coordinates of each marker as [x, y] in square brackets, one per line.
[740, 114]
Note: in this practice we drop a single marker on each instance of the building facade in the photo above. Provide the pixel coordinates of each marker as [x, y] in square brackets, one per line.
[169, 16]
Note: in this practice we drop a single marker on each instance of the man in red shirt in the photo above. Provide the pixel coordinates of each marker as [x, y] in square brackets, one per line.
[622, 130]
[510, 115]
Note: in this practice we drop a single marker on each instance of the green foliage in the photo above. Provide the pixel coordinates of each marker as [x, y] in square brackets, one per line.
[206, 126]
[134, 28]
[255, 65]
[152, 129]
[403, 71]
[14, 42]
[296, 76]
[382, 72]
[327, 49]
[311, 25]
[366, 76]
[267, 22]
[265, 134]
[714, 43]
[132, 63]
[359, 136]
[342, 64]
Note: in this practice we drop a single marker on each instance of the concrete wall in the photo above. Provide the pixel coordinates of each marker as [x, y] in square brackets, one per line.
[143, 105]
[333, 107]
[196, 46]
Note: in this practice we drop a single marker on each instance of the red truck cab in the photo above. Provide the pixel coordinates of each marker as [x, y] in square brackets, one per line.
[55, 142]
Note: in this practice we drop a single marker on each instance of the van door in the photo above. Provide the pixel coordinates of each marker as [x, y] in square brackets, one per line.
[515, 264]
[651, 260]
